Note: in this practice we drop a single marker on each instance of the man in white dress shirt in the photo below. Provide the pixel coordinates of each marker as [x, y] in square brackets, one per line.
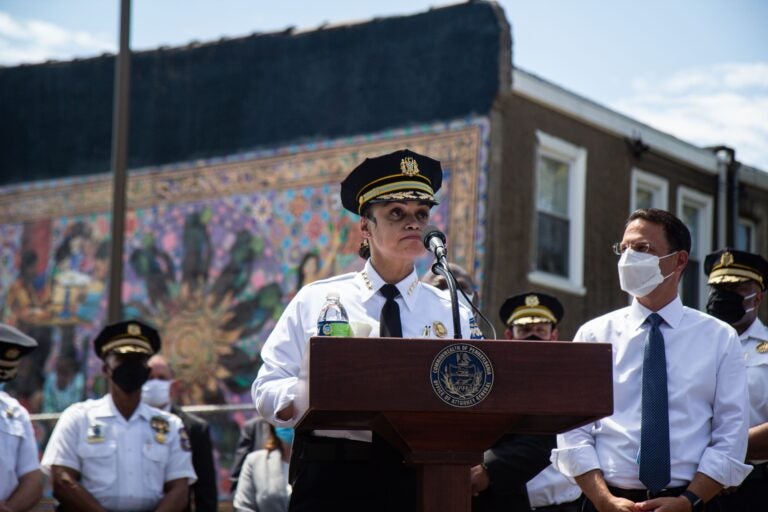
[700, 445]
[738, 281]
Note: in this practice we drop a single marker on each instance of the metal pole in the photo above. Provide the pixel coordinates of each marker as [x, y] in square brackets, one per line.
[120, 123]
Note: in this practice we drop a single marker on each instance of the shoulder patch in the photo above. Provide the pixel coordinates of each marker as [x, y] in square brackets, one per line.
[184, 440]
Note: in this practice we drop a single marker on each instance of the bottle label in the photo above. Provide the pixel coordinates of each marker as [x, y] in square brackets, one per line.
[334, 328]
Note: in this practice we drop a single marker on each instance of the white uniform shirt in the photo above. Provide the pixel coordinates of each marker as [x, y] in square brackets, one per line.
[551, 487]
[754, 338]
[421, 307]
[708, 409]
[18, 448]
[122, 463]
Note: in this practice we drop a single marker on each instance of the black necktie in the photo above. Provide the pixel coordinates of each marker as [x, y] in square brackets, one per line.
[654, 425]
[389, 321]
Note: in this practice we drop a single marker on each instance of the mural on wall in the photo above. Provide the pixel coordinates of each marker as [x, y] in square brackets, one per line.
[213, 253]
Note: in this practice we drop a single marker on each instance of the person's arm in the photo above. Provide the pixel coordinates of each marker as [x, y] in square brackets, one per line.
[594, 487]
[204, 490]
[27, 493]
[276, 384]
[72, 496]
[757, 449]
[175, 497]
[512, 461]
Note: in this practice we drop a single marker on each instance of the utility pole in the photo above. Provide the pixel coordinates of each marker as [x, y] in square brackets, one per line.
[120, 124]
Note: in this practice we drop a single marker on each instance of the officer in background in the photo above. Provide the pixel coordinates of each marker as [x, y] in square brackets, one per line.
[516, 474]
[162, 391]
[21, 482]
[117, 453]
[738, 281]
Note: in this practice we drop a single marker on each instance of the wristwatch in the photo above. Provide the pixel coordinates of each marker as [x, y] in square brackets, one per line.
[697, 504]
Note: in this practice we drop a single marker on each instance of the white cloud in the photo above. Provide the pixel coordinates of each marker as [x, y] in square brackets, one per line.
[721, 104]
[32, 41]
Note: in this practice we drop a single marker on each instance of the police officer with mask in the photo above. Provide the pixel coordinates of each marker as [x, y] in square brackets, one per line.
[516, 474]
[738, 281]
[117, 453]
[21, 482]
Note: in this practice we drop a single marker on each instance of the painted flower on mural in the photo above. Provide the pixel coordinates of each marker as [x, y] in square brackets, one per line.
[203, 314]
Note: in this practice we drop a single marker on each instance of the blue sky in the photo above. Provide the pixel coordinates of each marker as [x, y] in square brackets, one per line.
[697, 69]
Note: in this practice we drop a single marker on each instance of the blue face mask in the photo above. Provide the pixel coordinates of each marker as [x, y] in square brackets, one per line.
[285, 434]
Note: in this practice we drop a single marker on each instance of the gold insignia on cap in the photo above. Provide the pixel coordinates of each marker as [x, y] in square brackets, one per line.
[440, 330]
[409, 166]
[726, 260]
[12, 353]
[762, 347]
[134, 329]
[531, 301]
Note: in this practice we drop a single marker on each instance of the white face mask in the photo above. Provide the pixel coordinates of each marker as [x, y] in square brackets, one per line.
[156, 392]
[639, 272]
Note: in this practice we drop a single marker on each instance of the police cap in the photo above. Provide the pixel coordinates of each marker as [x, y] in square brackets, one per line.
[733, 266]
[531, 308]
[399, 176]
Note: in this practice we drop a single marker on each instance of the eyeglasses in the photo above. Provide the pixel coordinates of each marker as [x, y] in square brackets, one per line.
[619, 248]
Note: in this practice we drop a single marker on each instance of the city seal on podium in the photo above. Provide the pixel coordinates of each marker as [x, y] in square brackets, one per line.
[461, 375]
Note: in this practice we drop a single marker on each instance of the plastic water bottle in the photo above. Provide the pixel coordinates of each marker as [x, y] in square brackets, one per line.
[333, 319]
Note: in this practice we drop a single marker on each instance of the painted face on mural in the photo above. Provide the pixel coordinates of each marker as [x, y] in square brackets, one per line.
[395, 230]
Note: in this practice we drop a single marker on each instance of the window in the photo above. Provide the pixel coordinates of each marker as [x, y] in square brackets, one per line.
[558, 242]
[648, 191]
[695, 210]
[745, 235]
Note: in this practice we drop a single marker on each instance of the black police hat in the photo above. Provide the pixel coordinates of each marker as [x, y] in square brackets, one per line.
[531, 308]
[129, 337]
[733, 266]
[13, 345]
[399, 176]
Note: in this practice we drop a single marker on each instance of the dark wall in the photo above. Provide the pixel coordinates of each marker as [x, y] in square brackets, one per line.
[258, 91]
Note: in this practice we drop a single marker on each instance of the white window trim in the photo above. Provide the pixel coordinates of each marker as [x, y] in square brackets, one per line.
[577, 178]
[705, 205]
[658, 185]
[752, 230]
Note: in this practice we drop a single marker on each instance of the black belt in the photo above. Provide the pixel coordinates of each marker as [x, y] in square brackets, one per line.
[644, 494]
[760, 472]
[330, 449]
[571, 506]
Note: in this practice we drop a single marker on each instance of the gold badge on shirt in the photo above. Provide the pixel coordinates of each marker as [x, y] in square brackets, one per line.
[762, 347]
[440, 330]
[95, 433]
[161, 427]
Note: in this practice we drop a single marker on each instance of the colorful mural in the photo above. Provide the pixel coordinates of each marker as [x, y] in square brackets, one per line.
[213, 252]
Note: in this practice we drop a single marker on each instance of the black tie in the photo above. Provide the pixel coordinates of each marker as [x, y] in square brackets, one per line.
[654, 426]
[389, 322]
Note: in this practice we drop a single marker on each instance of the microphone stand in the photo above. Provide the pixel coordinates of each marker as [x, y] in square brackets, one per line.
[440, 267]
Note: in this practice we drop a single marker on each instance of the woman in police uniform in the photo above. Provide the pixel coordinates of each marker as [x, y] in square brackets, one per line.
[356, 470]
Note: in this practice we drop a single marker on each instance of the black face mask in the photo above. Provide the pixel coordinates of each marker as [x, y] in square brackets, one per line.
[533, 337]
[130, 375]
[726, 305]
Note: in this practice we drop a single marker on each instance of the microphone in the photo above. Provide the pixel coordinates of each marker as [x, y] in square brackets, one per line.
[434, 241]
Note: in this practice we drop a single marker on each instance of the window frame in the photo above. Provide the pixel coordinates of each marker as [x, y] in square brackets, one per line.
[576, 158]
[658, 186]
[704, 203]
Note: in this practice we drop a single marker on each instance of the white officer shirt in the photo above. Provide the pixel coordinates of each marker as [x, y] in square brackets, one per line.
[708, 409]
[754, 344]
[122, 463]
[551, 487]
[18, 448]
[425, 312]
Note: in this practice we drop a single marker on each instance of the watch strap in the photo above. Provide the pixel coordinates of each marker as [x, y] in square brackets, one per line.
[697, 504]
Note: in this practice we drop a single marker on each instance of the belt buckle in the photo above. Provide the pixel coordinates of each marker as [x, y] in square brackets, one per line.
[648, 494]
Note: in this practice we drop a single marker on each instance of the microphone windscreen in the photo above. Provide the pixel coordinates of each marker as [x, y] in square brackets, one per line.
[430, 232]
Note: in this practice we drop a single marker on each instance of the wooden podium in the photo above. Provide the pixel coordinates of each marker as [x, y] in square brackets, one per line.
[393, 386]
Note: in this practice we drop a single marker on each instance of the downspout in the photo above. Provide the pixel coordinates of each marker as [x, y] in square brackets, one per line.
[727, 195]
